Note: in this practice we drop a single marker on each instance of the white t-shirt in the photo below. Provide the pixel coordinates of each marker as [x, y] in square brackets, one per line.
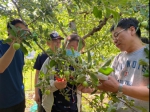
[129, 72]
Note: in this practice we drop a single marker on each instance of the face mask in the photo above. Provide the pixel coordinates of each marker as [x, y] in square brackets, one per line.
[70, 53]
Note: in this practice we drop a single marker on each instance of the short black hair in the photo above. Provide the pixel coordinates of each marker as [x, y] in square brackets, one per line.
[126, 23]
[14, 22]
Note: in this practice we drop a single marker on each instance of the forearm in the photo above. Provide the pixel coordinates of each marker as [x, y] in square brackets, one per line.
[140, 92]
[7, 58]
[36, 81]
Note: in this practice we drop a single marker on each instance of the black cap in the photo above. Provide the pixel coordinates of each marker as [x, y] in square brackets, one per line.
[55, 35]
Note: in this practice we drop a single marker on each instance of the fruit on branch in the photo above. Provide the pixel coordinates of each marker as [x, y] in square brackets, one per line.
[66, 73]
[16, 46]
[60, 79]
[47, 92]
[144, 24]
[85, 84]
[140, 19]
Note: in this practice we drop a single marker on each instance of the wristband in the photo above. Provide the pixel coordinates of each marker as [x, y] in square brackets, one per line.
[120, 93]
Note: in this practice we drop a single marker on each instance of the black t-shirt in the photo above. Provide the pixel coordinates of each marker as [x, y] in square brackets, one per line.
[61, 104]
[40, 60]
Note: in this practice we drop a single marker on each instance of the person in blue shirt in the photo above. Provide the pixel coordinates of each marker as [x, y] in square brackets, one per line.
[12, 96]
[53, 41]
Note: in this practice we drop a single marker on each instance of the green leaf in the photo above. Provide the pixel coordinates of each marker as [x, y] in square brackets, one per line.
[146, 74]
[140, 108]
[142, 62]
[22, 33]
[146, 50]
[52, 63]
[80, 45]
[12, 32]
[89, 56]
[106, 70]
[78, 3]
[24, 50]
[94, 79]
[72, 49]
[97, 13]
[88, 2]
[27, 43]
[108, 12]
[46, 33]
[107, 62]
[94, 91]
[40, 29]
[13, 28]
[7, 40]
[38, 85]
[80, 78]
[102, 96]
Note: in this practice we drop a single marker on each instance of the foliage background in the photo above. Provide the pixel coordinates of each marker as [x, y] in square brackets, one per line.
[91, 19]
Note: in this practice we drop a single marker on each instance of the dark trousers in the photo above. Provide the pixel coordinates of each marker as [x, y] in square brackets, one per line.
[40, 108]
[16, 108]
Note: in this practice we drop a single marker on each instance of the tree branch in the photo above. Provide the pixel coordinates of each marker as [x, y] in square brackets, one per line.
[34, 20]
[18, 10]
[42, 49]
[98, 28]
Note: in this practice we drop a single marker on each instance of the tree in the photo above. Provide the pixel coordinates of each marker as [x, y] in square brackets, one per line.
[91, 19]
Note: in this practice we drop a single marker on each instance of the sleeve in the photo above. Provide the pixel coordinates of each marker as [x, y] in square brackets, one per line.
[51, 81]
[37, 64]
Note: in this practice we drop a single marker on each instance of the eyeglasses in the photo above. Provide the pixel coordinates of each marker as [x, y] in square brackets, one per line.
[117, 33]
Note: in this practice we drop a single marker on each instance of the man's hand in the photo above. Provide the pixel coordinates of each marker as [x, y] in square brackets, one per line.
[60, 84]
[37, 98]
[84, 89]
[109, 85]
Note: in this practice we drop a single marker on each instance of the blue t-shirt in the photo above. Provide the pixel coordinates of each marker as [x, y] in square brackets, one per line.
[11, 80]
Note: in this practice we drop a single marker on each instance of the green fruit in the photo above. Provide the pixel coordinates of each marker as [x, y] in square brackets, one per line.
[66, 73]
[144, 24]
[140, 19]
[47, 92]
[16, 46]
[85, 84]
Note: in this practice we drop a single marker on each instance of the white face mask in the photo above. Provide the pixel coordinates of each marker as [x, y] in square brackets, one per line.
[70, 53]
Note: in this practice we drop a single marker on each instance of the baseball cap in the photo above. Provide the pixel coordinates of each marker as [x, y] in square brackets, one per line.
[55, 35]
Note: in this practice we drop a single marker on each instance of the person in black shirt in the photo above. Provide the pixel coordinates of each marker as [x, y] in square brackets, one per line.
[56, 101]
[53, 41]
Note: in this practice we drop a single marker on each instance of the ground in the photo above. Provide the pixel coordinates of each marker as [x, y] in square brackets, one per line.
[30, 101]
